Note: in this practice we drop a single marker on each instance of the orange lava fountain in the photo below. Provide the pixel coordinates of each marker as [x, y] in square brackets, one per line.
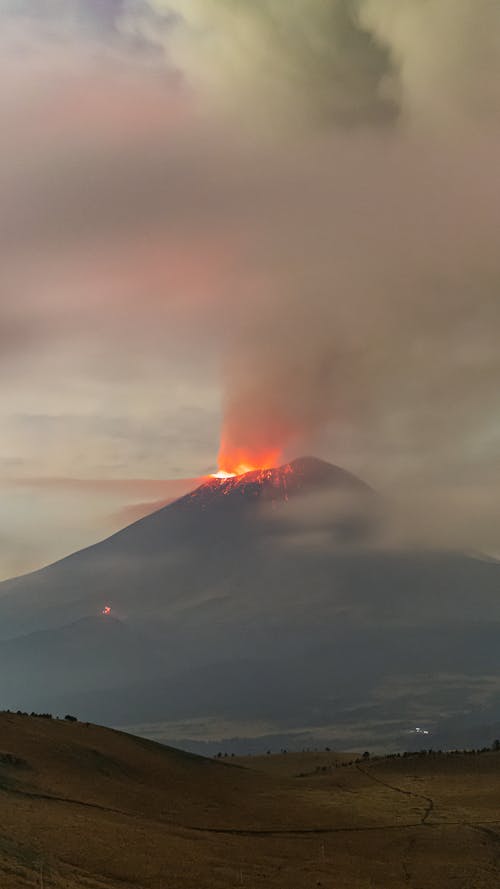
[238, 461]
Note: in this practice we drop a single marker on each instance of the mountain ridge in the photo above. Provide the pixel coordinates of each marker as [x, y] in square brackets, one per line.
[243, 596]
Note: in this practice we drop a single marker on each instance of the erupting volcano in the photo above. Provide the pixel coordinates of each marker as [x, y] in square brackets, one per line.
[267, 594]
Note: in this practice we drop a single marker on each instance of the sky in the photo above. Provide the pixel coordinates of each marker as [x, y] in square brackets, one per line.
[265, 228]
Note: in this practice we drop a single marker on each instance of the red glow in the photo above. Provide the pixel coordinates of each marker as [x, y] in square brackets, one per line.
[238, 461]
[106, 610]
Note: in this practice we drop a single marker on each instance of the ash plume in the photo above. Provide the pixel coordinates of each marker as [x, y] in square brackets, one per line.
[366, 303]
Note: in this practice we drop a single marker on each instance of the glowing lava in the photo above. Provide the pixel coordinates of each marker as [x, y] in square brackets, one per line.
[239, 461]
[240, 469]
[106, 610]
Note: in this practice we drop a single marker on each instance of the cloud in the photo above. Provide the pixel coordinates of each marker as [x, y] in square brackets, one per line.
[312, 59]
[104, 492]
[445, 55]
[135, 511]
[76, 14]
[341, 61]
[138, 487]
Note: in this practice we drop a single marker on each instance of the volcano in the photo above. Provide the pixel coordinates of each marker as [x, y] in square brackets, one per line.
[265, 596]
[150, 565]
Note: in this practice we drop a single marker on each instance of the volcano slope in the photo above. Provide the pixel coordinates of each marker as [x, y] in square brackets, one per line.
[83, 806]
[261, 597]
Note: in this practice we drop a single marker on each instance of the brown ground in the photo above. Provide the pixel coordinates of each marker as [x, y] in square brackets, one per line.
[83, 807]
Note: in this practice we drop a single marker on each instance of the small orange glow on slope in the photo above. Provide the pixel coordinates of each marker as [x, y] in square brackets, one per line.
[106, 610]
[239, 461]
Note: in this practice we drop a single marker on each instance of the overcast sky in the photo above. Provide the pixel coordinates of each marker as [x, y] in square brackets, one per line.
[276, 220]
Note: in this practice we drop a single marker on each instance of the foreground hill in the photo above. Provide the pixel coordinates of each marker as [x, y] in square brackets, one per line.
[265, 597]
[83, 807]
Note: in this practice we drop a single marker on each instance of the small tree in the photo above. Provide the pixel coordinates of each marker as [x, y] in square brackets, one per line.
[366, 755]
[496, 745]
[70, 718]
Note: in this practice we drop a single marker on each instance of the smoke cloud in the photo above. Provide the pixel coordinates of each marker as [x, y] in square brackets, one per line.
[370, 307]
[340, 61]
[309, 60]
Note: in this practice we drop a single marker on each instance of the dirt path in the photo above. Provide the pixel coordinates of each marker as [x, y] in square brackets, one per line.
[494, 839]
[429, 803]
[271, 832]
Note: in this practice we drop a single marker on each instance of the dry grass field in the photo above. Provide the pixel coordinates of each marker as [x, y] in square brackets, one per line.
[84, 807]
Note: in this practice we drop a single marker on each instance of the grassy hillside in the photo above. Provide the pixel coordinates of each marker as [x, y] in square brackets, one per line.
[84, 807]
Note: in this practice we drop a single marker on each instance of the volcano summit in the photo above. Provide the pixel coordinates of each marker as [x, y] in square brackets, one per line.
[262, 597]
[303, 476]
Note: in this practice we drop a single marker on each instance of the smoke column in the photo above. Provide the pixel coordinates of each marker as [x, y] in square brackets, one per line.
[370, 122]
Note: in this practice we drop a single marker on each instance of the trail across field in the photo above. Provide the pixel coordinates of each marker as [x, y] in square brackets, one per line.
[83, 807]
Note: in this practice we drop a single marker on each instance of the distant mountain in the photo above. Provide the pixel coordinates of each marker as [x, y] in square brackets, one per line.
[262, 596]
[189, 550]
